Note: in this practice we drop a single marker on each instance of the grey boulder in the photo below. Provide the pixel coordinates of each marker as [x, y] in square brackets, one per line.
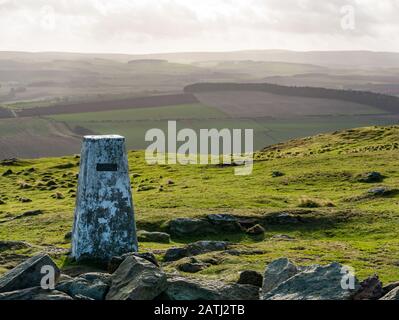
[115, 262]
[159, 237]
[36, 293]
[194, 249]
[91, 285]
[392, 295]
[180, 288]
[181, 227]
[277, 272]
[137, 279]
[314, 283]
[27, 274]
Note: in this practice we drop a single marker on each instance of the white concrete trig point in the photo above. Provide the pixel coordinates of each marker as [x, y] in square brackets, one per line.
[104, 224]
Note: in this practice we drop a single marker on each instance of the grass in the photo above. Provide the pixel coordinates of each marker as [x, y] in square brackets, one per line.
[134, 123]
[319, 170]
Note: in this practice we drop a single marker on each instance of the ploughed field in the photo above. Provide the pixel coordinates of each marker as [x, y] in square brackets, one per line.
[275, 113]
[330, 197]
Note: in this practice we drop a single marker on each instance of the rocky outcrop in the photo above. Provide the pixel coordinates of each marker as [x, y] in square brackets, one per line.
[13, 245]
[190, 227]
[392, 295]
[211, 224]
[36, 293]
[192, 265]
[159, 237]
[276, 273]
[389, 287]
[115, 262]
[137, 279]
[370, 289]
[180, 288]
[93, 286]
[27, 274]
[311, 283]
[370, 177]
[194, 249]
[251, 277]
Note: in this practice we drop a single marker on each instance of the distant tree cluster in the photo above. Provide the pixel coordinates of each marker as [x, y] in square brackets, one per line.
[381, 101]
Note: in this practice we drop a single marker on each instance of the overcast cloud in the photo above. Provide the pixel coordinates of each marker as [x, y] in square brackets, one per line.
[143, 26]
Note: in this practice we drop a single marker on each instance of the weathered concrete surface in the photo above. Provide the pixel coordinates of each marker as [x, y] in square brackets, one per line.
[104, 224]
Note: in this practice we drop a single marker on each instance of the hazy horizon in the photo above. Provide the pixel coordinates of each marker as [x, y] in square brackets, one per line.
[189, 52]
[175, 26]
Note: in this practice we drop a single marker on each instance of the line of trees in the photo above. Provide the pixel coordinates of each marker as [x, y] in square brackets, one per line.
[381, 101]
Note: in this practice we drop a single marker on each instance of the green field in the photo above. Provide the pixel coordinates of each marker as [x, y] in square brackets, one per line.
[322, 172]
[133, 124]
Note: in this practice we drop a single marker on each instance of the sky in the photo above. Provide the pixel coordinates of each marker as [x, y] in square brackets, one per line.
[150, 26]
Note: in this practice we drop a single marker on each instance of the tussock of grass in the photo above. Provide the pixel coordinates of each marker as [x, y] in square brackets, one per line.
[306, 202]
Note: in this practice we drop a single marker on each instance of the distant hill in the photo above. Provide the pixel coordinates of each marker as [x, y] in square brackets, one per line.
[348, 59]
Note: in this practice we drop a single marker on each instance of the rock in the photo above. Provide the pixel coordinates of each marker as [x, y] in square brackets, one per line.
[36, 293]
[9, 162]
[146, 236]
[251, 277]
[194, 249]
[7, 173]
[224, 222]
[137, 279]
[174, 254]
[282, 237]
[276, 174]
[389, 287]
[25, 200]
[314, 283]
[379, 191]
[256, 230]
[90, 285]
[29, 213]
[370, 289]
[370, 177]
[180, 288]
[115, 262]
[392, 295]
[181, 227]
[192, 266]
[2, 202]
[13, 245]
[240, 292]
[27, 274]
[64, 277]
[276, 273]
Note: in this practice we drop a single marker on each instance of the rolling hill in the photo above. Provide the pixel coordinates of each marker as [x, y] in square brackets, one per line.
[323, 205]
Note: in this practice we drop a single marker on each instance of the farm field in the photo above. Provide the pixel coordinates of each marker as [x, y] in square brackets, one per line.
[253, 104]
[133, 124]
[32, 137]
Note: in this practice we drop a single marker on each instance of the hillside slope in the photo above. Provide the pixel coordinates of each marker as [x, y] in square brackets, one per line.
[315, 191]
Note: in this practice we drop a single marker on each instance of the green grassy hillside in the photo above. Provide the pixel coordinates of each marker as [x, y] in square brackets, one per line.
[321, 183]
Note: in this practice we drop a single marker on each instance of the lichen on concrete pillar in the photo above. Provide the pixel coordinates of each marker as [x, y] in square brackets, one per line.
[104, 223]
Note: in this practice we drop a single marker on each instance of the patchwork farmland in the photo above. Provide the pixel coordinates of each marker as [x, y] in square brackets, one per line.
[56, 130]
